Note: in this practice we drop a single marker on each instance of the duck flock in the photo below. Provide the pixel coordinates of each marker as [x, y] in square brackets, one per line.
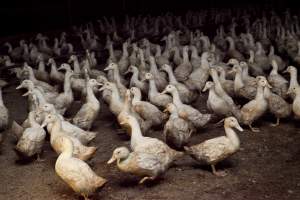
[150, 71]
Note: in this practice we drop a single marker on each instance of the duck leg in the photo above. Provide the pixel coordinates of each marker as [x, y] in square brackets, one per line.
[218, 173]
[145, 179]
[39, 159]
[256, 130]
[277, 122]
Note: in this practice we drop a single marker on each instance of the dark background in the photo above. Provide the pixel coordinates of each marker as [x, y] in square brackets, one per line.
[40, 15]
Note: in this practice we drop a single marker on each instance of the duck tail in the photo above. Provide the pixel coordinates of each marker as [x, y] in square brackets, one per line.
[90, 151]
[100, 182]
[90, 135]
[187, 150]
[16, 129]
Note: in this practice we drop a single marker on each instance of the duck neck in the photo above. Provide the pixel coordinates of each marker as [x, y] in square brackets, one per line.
[293, 81]
[67, 83]
[135, 75]
[222, 76]
[153, 67]
[231, 44]
[56, 128]
[31, 120]
[31, 76]
[176, 98]
[185, 56]
[245, 72]
[53, 68]
[259, 93]
[115, 96]
[274, 69]
[76, 66]
[90, 95]
[136, 133]
[232, 136]
[152, 87]
[1, 98]
[117, 76]
[41, 67]
[172, 79]
[136, 98]
[238, 81]
[40, 97]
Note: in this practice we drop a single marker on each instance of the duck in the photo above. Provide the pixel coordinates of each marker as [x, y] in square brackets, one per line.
[159, 76]
[46, 87]
[183, 70]
[76, 65]
[146, 110]
[200, 75]
[255, 67]
[177, 131]
[41, 73]
[135, 82]
[256, 107]
[276, 104]
[186, 95]
[232, 52]
[272, 56]
[55, 76]
[75, 172]
[214, 102]
[260, 57]
[155, 97]
[240, 88]
[116, 102]
[296, 101]
[279, 83]
[214, 150]
[4, 115]
[80, 151]
[228, 85]
[89, 111]
[32, 140]
[153, 146]
[293, 79]
[146, 165]
[70, 129]
[186, 111]
[120, 83]
[65, 99]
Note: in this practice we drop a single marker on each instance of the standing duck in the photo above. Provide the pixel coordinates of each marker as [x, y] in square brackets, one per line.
[75, 172]
[80, 151]
[276, 104]
[183, 70]
[214, 102]
[3, 109]
[55, 76]
[155, 97]
[293, 79]
[32, 139]
[146, 110]
[135, 82]
[186, 95]
[177, 131]
[217, 149]
[88, 111]
[279, 83]
[186, 111]
[148, 145]
[256, 107]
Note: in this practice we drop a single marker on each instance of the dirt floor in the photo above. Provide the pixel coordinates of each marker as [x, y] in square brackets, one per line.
[266, 167]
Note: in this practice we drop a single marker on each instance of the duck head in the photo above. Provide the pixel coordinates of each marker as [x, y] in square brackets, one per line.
[119, 153]
[208, 85]
[169, 89]
[231, 122]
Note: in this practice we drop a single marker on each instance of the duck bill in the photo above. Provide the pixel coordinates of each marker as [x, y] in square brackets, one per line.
[44, 124]
[204, 89]
[285, 71]
[19, 87]
[111, 160]
[102, 88]
[289, 92]
[107, 68]
[165, 110]
[269, 86]
[26, 94]
[238, 127]
[164, 92]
